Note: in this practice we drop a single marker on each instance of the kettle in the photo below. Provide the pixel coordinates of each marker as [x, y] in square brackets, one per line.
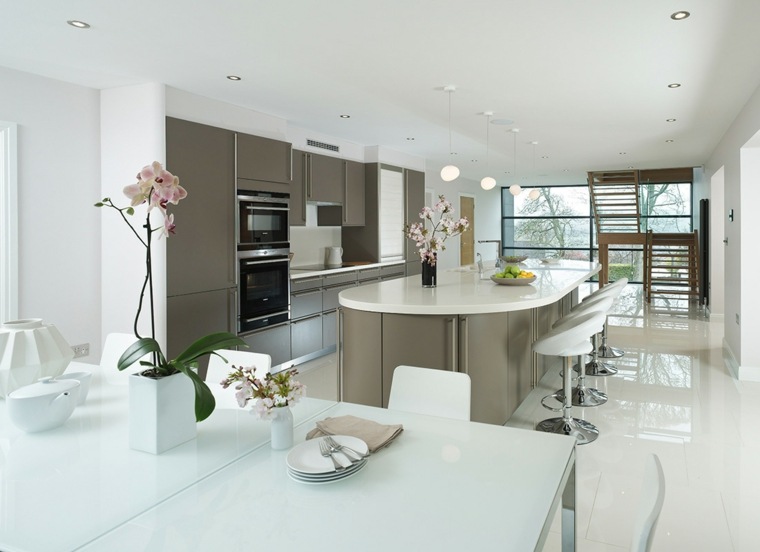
[334, 256]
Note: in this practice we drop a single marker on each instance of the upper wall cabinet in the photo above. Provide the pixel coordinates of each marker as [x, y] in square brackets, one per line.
[321, 178]
[353, 194]
[201, 256]
[264, 160]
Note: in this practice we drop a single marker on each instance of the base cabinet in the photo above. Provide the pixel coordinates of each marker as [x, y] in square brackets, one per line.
[493, 349]
[274, 341]
[306, 336]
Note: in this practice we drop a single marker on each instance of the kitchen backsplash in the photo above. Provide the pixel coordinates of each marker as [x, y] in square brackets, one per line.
[309, 243]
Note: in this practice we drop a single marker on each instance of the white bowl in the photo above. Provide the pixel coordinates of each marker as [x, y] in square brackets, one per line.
[43, 405]
[84, 382]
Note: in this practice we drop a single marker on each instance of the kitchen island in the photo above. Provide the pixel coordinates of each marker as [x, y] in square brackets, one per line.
[467, 324]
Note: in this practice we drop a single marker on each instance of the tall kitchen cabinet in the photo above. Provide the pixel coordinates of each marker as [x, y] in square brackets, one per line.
[362, 243]
[200, 257]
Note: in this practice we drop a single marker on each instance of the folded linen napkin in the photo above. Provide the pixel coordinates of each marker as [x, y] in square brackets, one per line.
[375, 435]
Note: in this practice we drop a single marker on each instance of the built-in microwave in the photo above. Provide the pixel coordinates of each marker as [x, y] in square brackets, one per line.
[262, 218]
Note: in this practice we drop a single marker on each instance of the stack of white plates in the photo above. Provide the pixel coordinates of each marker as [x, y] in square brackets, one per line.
[307, 465]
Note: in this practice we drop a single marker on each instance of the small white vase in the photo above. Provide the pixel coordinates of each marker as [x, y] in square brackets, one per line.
[161, 412]
[282, 428]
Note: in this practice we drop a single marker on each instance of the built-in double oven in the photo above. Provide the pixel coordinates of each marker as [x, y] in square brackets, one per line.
[263, 249]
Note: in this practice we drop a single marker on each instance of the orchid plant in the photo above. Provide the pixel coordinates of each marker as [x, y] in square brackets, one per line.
[444, 226]
[271, 392]
[158, 188]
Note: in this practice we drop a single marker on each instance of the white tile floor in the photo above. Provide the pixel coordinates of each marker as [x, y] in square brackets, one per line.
[673, 396]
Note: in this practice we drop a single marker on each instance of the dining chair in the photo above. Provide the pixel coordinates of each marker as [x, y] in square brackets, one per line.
[429, 391]
[114, 346]
[218, 369]
[650, 505]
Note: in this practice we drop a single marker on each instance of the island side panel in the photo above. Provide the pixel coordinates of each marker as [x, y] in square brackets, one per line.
[417, 340]
[520, 361]
[361, 358]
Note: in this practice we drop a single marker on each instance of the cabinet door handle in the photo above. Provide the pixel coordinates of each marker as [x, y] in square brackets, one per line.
[290, 151]
[339, 351]
[453, 337]
[232, 305]
[464, 336]
[308, 175]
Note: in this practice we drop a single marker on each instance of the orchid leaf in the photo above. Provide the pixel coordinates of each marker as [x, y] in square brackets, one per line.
[208, 344]
[139, 349]
[204, 399]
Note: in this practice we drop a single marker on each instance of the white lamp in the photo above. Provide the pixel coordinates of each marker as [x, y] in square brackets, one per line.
[30, 350]
[449, 172]
[534, 193]
[515, 189]
[487, 183]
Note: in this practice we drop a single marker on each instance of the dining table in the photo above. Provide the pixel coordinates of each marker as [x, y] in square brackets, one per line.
[441, 484]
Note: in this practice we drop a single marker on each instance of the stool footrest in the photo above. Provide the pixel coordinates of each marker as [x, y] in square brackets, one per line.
[583, 431]
[547, 407]
[586, 396]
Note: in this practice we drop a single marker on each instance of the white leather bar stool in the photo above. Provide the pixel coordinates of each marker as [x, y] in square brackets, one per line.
[615, 288]
[569, 340]
[582, 395]
[596, 367]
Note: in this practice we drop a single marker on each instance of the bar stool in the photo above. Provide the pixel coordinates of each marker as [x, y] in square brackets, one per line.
[616, 288]
[596, 367]
[582, 395]
[569, 340]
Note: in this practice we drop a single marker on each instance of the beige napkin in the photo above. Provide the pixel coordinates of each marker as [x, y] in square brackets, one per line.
[375, 435]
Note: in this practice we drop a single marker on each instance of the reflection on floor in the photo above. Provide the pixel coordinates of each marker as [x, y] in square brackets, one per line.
[673, 396]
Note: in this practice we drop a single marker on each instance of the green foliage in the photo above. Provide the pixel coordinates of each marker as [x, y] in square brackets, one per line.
[617, 271]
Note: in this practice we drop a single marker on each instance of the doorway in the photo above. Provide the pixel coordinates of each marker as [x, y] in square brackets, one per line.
[467, 239]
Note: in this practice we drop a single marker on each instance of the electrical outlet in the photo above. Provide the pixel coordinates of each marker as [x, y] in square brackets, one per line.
[82, 350]
[737, 317]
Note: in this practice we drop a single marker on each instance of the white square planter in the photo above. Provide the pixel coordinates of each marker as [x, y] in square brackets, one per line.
[161, 412]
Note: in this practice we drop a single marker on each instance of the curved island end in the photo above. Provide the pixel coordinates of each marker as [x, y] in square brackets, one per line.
[467, 324]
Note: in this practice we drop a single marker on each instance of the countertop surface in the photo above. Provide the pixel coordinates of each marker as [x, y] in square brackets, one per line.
[465, 291]
[311, 271]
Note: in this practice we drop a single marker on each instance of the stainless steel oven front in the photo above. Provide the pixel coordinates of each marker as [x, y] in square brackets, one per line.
[264, 292]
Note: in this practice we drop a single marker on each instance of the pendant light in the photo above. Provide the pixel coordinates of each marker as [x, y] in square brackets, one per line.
[488, 182]
[449, 172]
[534, 193]
[514, 189]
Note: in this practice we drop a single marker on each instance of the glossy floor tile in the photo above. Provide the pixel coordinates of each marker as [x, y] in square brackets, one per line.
[673, 395]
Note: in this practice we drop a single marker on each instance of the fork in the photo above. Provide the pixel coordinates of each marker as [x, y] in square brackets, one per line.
[337, 446]
[325, 451]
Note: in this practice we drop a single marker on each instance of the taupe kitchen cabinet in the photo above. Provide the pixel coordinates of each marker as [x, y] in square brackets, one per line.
[353, 193]
[297, 215]
[194, 315]
[361, 373]
[320, 179]
[274, 341]
[264, 160]
[414, 201]
[200, 257]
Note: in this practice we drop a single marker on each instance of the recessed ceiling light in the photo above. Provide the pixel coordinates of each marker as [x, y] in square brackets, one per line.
[78, 24]
[674, 85]
[670, 120]
[234, 77]
[669, 141]
[680, 15]
[501, 121]
[345, 116]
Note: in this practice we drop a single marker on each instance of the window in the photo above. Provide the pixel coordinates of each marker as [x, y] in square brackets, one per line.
[391, 215]
[560, 223]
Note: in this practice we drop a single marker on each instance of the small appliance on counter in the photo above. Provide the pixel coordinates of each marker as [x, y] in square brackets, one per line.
[334, 257]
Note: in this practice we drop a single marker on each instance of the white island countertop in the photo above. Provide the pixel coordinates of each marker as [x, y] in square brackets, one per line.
[465, 291]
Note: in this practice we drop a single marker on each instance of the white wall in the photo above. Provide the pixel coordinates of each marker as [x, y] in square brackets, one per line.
[487, 214]
[742, 295]
[58, 183]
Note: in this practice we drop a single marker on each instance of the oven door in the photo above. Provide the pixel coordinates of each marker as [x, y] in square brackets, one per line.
[262, 221]
[264, 293]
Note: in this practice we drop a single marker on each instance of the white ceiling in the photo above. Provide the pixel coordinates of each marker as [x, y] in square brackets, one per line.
[585, 79]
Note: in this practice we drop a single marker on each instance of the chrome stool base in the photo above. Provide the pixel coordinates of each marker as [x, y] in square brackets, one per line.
[583, 396]
[599, 368]
[583, 431]
[607, 351]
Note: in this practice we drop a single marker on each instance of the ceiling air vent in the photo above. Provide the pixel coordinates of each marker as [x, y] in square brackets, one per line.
[322, 145]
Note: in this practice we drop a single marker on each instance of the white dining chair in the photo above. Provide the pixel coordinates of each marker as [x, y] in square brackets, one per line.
[114, 346]
[218, 369]
[429, 391]
[650, 505]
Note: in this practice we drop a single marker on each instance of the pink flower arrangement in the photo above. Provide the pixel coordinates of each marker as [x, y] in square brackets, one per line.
[430, 241]
[273, 391]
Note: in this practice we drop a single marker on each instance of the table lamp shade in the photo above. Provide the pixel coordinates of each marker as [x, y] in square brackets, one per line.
[30, 350]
